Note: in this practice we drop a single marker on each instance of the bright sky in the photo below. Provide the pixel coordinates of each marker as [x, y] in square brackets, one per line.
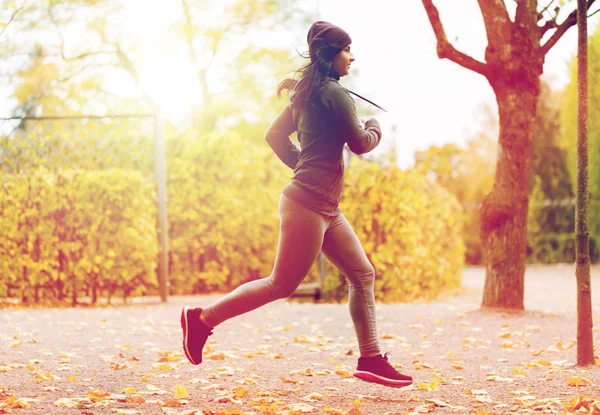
[431, 101]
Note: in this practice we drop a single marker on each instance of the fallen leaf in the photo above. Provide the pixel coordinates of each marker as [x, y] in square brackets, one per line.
[135, 399]
[300, 407]
[98, 395]
[578, 381]
[79, 403]
[433, 385]
[240, 392]
[437, 402]
[16, 403]
[313, 397]
[120, 411]
[172, 403]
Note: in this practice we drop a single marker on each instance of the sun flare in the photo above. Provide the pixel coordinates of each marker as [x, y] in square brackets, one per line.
[172, 84]
[166, 73]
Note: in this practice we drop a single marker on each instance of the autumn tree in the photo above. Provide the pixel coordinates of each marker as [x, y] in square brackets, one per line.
[514, 59]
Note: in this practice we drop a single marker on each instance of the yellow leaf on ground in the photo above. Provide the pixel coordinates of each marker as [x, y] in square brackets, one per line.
[120, 411]
[293, 381]
[579, 381]
[128, 390]
[430, 386]
[180, 392]
[344, 374]
[300, 408]
[79, 403]
[313, 397]
[240, 392]
[16, 403]
[98, 395]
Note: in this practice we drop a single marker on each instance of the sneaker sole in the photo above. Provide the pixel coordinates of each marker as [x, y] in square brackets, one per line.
[184, 326]
[372, 377]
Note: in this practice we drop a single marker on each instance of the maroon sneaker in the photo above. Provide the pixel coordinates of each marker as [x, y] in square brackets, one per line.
[377, 369]
[195, 334]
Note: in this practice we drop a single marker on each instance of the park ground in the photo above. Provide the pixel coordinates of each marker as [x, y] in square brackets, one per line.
[293, 357]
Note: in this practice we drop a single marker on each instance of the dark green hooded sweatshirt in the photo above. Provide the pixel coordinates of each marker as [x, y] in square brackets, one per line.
[323, 128]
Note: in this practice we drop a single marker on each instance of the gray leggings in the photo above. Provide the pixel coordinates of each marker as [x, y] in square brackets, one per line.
[303, 234]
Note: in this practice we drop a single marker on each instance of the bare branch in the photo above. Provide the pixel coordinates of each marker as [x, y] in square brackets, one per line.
[188, 32]
[445, 48]
[10, 20]
[571, 20]
[62, 43]
[590, 15]
[546, 8]
[549, 25]
[86, 68]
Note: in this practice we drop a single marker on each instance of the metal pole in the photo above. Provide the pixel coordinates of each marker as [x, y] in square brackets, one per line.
[160, 171]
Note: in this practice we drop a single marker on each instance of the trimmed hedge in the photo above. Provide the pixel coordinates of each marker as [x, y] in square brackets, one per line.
[77, 232]
[410, 228]
[224, 223]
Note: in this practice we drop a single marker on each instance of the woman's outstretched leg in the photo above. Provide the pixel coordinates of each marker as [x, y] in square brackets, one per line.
[300, 239]
[342, 247]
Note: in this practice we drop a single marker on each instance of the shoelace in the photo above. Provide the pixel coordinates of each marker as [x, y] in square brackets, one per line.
[388, 364]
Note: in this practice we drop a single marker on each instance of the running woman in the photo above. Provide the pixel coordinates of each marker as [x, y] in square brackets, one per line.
[323, 114]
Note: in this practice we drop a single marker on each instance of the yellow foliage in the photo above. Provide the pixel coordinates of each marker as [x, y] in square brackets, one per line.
[94, 231]
[410, 229]
[59, 228]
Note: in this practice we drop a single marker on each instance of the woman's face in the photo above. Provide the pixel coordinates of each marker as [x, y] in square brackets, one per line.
[341, 62]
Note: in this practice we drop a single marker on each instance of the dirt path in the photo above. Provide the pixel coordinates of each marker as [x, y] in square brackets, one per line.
[290, 357]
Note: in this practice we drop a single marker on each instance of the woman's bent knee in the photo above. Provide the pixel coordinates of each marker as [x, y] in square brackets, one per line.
[279, 290]
[364, 278]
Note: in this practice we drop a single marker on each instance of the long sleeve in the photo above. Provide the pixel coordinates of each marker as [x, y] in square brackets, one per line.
[278, 137]
[341, 105]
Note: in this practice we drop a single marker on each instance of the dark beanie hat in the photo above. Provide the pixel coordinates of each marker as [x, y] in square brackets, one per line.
[324, 33]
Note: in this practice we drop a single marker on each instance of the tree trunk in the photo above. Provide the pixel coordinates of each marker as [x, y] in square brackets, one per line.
[504, 210]
[585, 337]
